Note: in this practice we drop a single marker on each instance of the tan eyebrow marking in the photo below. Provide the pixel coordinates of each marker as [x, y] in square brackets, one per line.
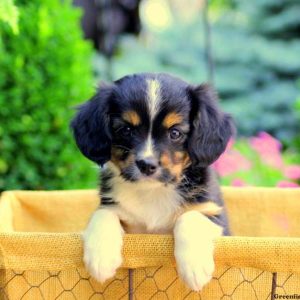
[132, 117]
[172, 119]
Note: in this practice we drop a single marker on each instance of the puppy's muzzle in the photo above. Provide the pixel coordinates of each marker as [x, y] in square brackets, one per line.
[148, 166]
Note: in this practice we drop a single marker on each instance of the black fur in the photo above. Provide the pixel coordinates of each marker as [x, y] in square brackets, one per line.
[106, 187]
[91, 127]
[211, 127]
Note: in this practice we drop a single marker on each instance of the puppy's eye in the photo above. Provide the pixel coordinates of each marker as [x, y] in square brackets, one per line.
[175, 134]
[125, 131]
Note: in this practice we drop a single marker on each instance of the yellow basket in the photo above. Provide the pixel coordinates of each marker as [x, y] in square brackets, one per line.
[41, 251]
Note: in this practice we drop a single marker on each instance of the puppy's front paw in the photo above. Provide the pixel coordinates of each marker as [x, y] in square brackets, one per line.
[102, 261]
[194, 248]
[195, 265]
[102, 245]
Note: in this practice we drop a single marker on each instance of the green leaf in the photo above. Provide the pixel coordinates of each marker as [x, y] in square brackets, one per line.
[9, 13]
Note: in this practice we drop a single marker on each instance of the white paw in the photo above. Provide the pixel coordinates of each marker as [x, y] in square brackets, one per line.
[194, 248]
[102, 245]
[195, 266]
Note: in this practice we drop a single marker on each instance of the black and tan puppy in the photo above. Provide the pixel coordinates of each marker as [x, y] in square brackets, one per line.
[155, 136]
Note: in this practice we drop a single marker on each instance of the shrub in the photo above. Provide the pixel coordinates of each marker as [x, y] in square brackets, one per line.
[9, 14]
[45, 69]
[264, 44]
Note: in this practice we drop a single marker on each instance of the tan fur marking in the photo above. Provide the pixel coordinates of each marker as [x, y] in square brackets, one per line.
[172, 119]
[116, 154]
[179, 156]
[207, 208]
[176, 165]
[165, 160]
[132, 117]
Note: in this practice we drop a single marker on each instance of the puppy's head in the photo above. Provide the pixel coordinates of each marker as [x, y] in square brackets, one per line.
[152, 127]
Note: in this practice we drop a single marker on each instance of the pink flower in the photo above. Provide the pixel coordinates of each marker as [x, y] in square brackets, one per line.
[287, 184]
[231, 161]
[238, 182]
[292, 172]
[229, 144]
[268, 148]
[265, 142]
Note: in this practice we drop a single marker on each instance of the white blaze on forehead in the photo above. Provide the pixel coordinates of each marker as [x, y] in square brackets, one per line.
[153, 96]
[148, 149]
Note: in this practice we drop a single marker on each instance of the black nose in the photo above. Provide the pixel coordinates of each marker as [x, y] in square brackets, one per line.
[147, 166]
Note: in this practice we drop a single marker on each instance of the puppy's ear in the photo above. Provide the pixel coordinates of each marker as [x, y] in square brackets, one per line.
[211, 128]
[91, 126]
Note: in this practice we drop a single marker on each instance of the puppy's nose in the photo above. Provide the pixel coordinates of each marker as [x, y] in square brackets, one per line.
[147, 166]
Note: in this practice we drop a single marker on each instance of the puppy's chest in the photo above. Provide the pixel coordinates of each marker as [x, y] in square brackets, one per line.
[146, 207]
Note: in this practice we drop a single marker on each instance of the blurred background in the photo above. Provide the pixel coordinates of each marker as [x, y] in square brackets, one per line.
[53, 53]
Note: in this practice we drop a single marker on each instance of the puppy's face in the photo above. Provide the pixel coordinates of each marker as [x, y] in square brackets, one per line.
[149, 121]
[152, 127]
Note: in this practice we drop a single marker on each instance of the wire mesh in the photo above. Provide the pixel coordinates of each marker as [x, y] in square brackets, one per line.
[144, 283]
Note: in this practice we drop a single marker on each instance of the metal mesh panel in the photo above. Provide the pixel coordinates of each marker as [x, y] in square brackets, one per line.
[67, 284]
[145, 283]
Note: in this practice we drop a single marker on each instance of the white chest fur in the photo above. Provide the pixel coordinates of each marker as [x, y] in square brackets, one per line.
[149, 204]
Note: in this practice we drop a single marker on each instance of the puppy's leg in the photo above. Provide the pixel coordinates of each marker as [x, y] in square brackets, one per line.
[102, 244]
[194, 235]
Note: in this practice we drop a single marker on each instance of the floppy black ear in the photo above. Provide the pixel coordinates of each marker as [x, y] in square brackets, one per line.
[211, 128]
[91, 127]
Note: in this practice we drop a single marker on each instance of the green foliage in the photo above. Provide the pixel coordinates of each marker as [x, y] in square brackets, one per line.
[45, 71]
[217, 7]
[272, 18]
[9, 14]
[265, 41]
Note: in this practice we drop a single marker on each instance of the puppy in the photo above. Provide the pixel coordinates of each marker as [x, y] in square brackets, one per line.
[155, 137]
